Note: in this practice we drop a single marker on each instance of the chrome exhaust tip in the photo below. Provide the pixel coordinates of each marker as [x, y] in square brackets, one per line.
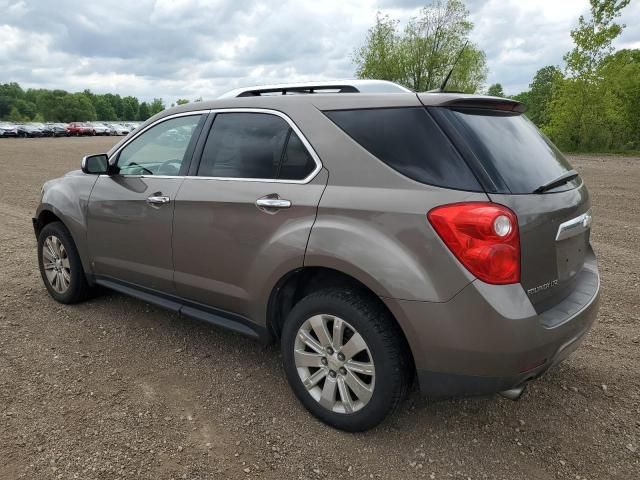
[513, 393]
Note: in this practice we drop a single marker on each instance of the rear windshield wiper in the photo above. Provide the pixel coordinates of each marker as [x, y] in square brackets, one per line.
[566, 177]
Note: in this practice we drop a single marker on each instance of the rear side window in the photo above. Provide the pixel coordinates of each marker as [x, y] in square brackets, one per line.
[409, 141]
[511, 148]
[254, 145]
[244, 145]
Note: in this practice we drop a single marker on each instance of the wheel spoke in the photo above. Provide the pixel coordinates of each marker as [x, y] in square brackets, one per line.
[328, 396]
[49, 246]
[56, 245]
[55, 283]
[65, 263]
[310, 342]
[354, 346]
[345, 396]
[313, 380]
[338, 333]
[308, 359]
[319, 325]
[364, 368]
[66, 278]
[46, 253]
[358, 387]
[51, 274]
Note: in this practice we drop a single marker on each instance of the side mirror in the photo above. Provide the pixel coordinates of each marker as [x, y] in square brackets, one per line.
[95, 164]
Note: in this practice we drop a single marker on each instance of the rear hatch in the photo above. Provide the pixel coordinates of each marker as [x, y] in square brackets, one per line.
[517, 167]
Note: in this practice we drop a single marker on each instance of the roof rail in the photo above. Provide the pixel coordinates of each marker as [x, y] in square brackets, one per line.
[299, 90]
[334, 86]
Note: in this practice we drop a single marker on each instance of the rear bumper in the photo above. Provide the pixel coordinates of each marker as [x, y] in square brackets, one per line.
[489, 338]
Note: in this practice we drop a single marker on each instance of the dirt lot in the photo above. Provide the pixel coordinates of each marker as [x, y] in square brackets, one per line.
[116, 388]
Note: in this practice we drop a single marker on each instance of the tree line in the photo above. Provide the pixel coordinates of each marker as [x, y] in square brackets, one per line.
[591, 103]
[43, 105]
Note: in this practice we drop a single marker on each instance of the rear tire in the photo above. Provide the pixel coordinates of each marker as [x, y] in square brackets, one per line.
[60, 265]
[346, 391]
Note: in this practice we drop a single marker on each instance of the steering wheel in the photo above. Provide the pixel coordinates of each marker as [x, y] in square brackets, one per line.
[170, 167]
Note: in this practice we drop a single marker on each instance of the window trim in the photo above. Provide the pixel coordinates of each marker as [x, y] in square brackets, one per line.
[198, 158]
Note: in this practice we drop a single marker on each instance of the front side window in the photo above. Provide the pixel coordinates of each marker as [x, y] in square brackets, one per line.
[162, 149]
[254, 145]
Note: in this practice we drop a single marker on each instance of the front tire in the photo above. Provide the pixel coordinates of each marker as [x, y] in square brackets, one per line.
[60, 264]
[345, 358]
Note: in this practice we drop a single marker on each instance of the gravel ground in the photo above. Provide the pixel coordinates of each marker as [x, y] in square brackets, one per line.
[116, 388]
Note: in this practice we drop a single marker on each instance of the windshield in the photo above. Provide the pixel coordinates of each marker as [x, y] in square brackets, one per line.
[512, 148]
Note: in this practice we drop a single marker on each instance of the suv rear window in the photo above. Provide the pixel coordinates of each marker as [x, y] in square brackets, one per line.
[410, 142]
[510, 148]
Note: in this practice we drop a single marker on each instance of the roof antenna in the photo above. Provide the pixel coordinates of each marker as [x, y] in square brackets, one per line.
[444, 84]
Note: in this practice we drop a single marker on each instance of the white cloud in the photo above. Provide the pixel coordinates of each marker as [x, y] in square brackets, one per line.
[193, 48]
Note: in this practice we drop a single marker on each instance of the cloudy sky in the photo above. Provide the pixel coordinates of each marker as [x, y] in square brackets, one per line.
[193, 48]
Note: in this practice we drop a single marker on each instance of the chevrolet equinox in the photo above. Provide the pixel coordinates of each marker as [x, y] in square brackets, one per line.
[379, 237]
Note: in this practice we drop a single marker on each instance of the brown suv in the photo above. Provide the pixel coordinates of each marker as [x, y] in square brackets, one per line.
[376, 236]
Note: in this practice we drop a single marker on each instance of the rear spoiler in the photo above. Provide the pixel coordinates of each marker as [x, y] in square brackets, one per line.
[487, 103]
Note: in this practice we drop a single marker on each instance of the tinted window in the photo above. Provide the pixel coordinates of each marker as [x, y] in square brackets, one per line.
[160, 150]
[297, 163]
[244, 145]
[409, 141]
[511, 147]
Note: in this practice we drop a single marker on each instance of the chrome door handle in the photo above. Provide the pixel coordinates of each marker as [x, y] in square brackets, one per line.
[273, 203]
[158, 200]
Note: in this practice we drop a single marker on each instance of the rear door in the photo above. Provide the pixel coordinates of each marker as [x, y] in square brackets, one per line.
[515, 160]
[130, 214]
[242, 220]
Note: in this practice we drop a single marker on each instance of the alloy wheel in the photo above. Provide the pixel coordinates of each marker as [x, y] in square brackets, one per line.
[334, 364]
[56, 264]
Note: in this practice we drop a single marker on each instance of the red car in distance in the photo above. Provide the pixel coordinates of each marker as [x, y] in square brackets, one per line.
[78, 128]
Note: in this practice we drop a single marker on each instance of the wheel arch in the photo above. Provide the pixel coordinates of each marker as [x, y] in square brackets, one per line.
[298, 283]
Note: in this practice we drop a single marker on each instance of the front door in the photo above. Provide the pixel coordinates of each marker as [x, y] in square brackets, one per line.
[130, 213]
[244, 219]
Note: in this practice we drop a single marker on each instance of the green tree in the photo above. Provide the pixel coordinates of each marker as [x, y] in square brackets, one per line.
[130, 108]
[422, 54]
[27, 109]
[14, 115]
[540, 94]
[104, 109]
[495, 90]
[584, 113]
[156, 106]
[379, 57]
[6, 103]
[143, 111]
[182, 101]
[75, 107]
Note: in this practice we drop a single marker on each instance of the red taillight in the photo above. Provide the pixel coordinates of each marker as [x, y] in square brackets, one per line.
[483, 236]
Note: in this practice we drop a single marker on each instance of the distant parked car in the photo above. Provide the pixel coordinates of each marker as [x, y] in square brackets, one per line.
[100, 128]
[30, 130]
[117, 129]
[8, 130]
[46, 129]
[132, 126]
[78, 128]
[58, 129]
